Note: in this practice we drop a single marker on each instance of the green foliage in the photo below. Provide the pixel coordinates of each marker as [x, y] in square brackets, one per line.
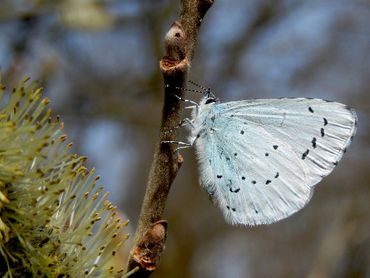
[53, 221]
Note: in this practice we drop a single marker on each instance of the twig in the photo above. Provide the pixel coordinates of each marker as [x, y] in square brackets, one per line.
[179, 45]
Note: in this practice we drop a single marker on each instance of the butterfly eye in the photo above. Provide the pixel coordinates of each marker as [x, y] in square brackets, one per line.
[210, 100]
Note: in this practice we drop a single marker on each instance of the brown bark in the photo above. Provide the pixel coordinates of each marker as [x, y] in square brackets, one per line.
[179, 46]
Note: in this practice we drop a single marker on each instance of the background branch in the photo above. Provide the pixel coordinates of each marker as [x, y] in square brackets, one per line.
[179, 46]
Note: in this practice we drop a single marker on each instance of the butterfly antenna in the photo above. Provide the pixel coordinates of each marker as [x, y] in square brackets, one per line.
[204, 89]
[185, 89]
[197, 85]
[185, 100]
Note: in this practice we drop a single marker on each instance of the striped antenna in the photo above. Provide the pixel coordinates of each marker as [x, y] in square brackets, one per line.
[206, 91]
[197, 85]
[186, 89]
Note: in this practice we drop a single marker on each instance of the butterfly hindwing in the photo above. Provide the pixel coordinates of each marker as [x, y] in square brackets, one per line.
[260, 158]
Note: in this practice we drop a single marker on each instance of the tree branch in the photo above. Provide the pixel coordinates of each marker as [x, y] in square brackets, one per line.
[179, 45]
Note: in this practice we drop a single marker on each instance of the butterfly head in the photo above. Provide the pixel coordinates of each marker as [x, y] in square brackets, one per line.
[209, 97]
[210, 100]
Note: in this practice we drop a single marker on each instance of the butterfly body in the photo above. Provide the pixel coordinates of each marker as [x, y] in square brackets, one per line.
[260, 159]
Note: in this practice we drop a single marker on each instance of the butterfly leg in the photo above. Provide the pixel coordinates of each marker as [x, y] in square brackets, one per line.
[185, 100]
[182, 145]
[184, 122]
[187, 121]
[190, 107]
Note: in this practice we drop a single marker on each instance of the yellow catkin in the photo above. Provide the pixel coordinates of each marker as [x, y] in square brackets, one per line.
[53, 222]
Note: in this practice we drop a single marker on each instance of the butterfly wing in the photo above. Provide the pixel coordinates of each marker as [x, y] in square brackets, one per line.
[259, 159]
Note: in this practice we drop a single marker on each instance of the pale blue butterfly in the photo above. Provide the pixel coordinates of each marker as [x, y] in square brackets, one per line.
[260, 159]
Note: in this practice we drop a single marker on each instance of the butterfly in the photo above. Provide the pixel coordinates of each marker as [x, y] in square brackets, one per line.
[260, 159]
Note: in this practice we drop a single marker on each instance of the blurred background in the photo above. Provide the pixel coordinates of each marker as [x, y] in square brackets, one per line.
[98, 61]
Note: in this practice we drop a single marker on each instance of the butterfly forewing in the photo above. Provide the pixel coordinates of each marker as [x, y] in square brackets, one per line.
[317, 130]
[260, 158]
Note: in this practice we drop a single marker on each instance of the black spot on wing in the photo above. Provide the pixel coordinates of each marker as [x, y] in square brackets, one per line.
[266, 154]
[268, 181]
[322, 131]
[243, 178]
[234, 190]
[228, 207]
[275, 147]
[310, 109]
[219, 176]
[314, 142]
[277, 175]
[325, 121]
[305, 154]
[254, 182]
